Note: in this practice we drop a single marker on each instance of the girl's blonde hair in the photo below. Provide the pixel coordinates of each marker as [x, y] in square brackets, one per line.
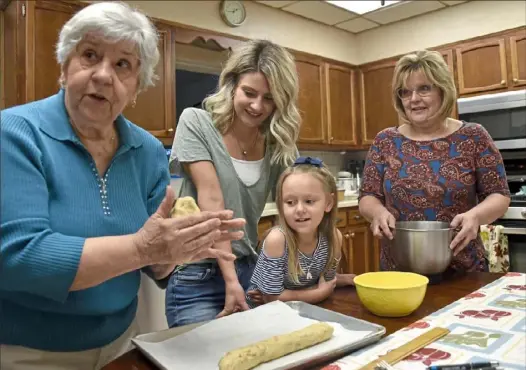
[327, 226]
[433, 66]
[278, 66]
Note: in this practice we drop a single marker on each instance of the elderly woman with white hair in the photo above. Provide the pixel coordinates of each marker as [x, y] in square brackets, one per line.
[86, 202]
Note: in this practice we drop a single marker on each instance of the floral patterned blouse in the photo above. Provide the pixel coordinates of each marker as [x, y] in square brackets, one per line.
[435, 180]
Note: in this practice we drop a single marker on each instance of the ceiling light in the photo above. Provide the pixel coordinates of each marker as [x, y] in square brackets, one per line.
[362, 7]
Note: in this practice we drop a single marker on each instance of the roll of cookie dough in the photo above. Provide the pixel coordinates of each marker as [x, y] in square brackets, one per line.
[183, 207]
[248, 357]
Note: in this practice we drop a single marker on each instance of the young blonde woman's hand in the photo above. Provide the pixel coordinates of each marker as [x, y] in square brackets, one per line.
[165, 240]
[235, 300]
[382, 224]
[345, 279]
[256, 296]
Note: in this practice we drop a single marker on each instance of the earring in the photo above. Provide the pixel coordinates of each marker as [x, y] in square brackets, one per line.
[61, 82]
[133, 103]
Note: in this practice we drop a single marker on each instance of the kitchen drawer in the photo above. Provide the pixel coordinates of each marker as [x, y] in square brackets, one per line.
[355, 218]
[341, 218]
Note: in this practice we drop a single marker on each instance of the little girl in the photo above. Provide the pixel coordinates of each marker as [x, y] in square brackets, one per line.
[298, 259]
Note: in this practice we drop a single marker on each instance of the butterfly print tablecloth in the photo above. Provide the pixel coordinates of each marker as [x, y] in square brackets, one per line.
[488, 324]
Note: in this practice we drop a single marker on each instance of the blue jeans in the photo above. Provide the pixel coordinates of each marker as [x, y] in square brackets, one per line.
[196, 293]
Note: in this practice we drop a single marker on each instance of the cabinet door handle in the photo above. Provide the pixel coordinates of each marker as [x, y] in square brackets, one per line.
[347, 236]
[352, 235]
[503, 82]
[170, 130]
[357, 217]
[515, 80]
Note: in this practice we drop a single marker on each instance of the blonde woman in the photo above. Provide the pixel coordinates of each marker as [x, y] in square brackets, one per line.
[298, 259]
[230, 156]
[86, 202]
[433, 167]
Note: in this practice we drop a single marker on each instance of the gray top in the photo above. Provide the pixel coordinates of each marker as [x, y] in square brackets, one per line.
[197, 139]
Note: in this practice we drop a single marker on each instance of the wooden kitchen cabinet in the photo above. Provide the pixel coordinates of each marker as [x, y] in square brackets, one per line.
[518, 58]
[327, 103]
[481, 66]
[311, 100]
[492, 63]
[360, 252]
[2, 64]
[357, 247]
[377, 111]
[155, 108]
[448, 58]
[341, 105]
[265, 224]
[11, 57]
[31, 30]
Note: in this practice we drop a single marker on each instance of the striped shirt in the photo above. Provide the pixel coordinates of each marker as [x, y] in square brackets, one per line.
[271, 275]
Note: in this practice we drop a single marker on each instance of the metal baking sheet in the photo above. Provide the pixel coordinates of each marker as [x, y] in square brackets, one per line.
[348, 322]
[305, 310]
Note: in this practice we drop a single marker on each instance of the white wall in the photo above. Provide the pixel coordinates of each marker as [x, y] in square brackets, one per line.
[451, 24]
[460, 22]
[262, 22]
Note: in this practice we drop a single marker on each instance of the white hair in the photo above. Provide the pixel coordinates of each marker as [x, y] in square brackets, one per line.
[116, 21]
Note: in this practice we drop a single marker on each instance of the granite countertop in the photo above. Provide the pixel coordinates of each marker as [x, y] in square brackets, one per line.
[271, 210]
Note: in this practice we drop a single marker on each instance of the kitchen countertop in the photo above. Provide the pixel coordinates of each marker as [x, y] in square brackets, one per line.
[271, 210]
[346, 301]
[488, 324]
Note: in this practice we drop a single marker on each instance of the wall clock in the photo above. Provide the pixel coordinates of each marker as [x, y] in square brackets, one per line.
[233, 12]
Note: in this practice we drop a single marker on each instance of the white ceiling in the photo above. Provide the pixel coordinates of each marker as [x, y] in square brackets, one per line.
[332, 15]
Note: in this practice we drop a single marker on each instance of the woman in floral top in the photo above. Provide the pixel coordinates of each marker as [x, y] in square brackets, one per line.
[433, 167]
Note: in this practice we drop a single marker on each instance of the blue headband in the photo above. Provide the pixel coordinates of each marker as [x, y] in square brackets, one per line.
[316, 162]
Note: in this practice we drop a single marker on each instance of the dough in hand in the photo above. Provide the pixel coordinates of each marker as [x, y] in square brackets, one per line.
[183, 207]
[248, 357]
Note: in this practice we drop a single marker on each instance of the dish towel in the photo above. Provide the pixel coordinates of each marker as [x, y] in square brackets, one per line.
[496, 247]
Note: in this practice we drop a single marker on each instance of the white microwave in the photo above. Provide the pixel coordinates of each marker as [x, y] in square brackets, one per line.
[503, 115]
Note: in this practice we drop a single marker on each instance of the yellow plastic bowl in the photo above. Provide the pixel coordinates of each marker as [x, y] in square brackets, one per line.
[391, 293]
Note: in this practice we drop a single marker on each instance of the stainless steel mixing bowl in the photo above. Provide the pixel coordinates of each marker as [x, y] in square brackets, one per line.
[422, 246]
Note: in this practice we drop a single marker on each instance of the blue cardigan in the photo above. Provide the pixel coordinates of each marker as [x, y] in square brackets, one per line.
[52, 200]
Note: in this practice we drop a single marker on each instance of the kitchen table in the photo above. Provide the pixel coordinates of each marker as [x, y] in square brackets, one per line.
[345, 300]
[485, 325]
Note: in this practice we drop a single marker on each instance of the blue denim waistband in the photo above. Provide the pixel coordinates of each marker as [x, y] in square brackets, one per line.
[213, 263]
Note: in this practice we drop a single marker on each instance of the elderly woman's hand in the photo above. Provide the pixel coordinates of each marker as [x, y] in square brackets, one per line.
[165, 240]
[469, 229]
[382, 223]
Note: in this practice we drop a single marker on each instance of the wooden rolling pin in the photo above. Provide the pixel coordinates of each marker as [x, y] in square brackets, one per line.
[398, 354]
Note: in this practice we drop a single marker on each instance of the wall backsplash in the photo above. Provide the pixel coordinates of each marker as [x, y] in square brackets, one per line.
[337, 161]
[333, 160]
